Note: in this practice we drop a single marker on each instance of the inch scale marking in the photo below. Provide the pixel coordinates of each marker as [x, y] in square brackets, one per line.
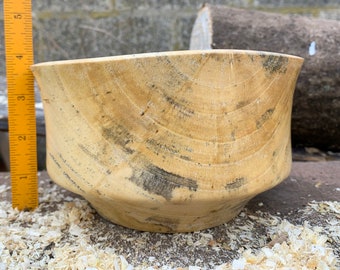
[21, 104]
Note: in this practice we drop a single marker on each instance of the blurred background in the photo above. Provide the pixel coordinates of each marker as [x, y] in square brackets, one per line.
[91, 28]
[67, 29]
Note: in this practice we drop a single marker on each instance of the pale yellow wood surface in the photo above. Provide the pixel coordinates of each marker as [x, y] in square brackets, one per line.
[173, 141]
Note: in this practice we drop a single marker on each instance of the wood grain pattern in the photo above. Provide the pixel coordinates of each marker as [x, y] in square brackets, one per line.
[172, 141]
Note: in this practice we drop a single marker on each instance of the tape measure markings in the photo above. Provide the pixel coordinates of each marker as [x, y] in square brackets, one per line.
[21, 103]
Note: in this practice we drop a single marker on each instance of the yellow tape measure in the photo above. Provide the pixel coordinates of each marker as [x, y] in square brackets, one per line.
[21, 105]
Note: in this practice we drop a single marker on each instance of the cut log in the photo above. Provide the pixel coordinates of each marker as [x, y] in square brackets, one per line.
[316, 108]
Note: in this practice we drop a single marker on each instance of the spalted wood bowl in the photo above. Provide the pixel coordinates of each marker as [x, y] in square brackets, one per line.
[170, 141]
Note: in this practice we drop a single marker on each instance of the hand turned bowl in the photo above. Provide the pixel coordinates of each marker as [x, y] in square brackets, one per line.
[170, 141]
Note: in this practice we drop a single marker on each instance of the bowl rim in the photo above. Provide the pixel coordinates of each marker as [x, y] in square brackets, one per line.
[163, 54]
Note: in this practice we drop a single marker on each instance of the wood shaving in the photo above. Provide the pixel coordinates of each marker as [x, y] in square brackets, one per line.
[64, 232]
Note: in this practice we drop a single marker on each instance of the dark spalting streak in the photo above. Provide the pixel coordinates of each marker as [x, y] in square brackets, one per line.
[232, 135]
[169, 224]
[251, 57]
[119, 135]
[220, 58]
[273, 64]
[88, 153]
[94, 156]
[237, 183]
[74, 170]
[186, 112]
[158, 181]
[157, 146]
[185, 158]
[241, 104]
[66, 175]
[54, 160]
[69, 178]
[264, 117]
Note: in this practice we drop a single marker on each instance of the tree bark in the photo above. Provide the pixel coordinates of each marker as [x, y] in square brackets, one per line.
[316, 108]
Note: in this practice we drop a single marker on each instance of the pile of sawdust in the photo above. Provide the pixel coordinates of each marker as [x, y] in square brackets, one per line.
[66, 233]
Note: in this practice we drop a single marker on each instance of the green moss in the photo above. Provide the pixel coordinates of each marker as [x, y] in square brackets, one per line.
[103, 14]
[314, 11]
[176, 46]
[250, 3]
[46, 15]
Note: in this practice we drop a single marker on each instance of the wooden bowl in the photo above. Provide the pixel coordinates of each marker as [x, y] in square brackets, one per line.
[170, 141]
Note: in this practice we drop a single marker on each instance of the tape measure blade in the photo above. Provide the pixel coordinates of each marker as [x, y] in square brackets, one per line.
[21, 105]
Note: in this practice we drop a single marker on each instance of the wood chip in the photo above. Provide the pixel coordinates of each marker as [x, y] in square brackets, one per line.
[66, 233]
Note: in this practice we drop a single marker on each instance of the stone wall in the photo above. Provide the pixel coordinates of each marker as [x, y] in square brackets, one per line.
[92, 28]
